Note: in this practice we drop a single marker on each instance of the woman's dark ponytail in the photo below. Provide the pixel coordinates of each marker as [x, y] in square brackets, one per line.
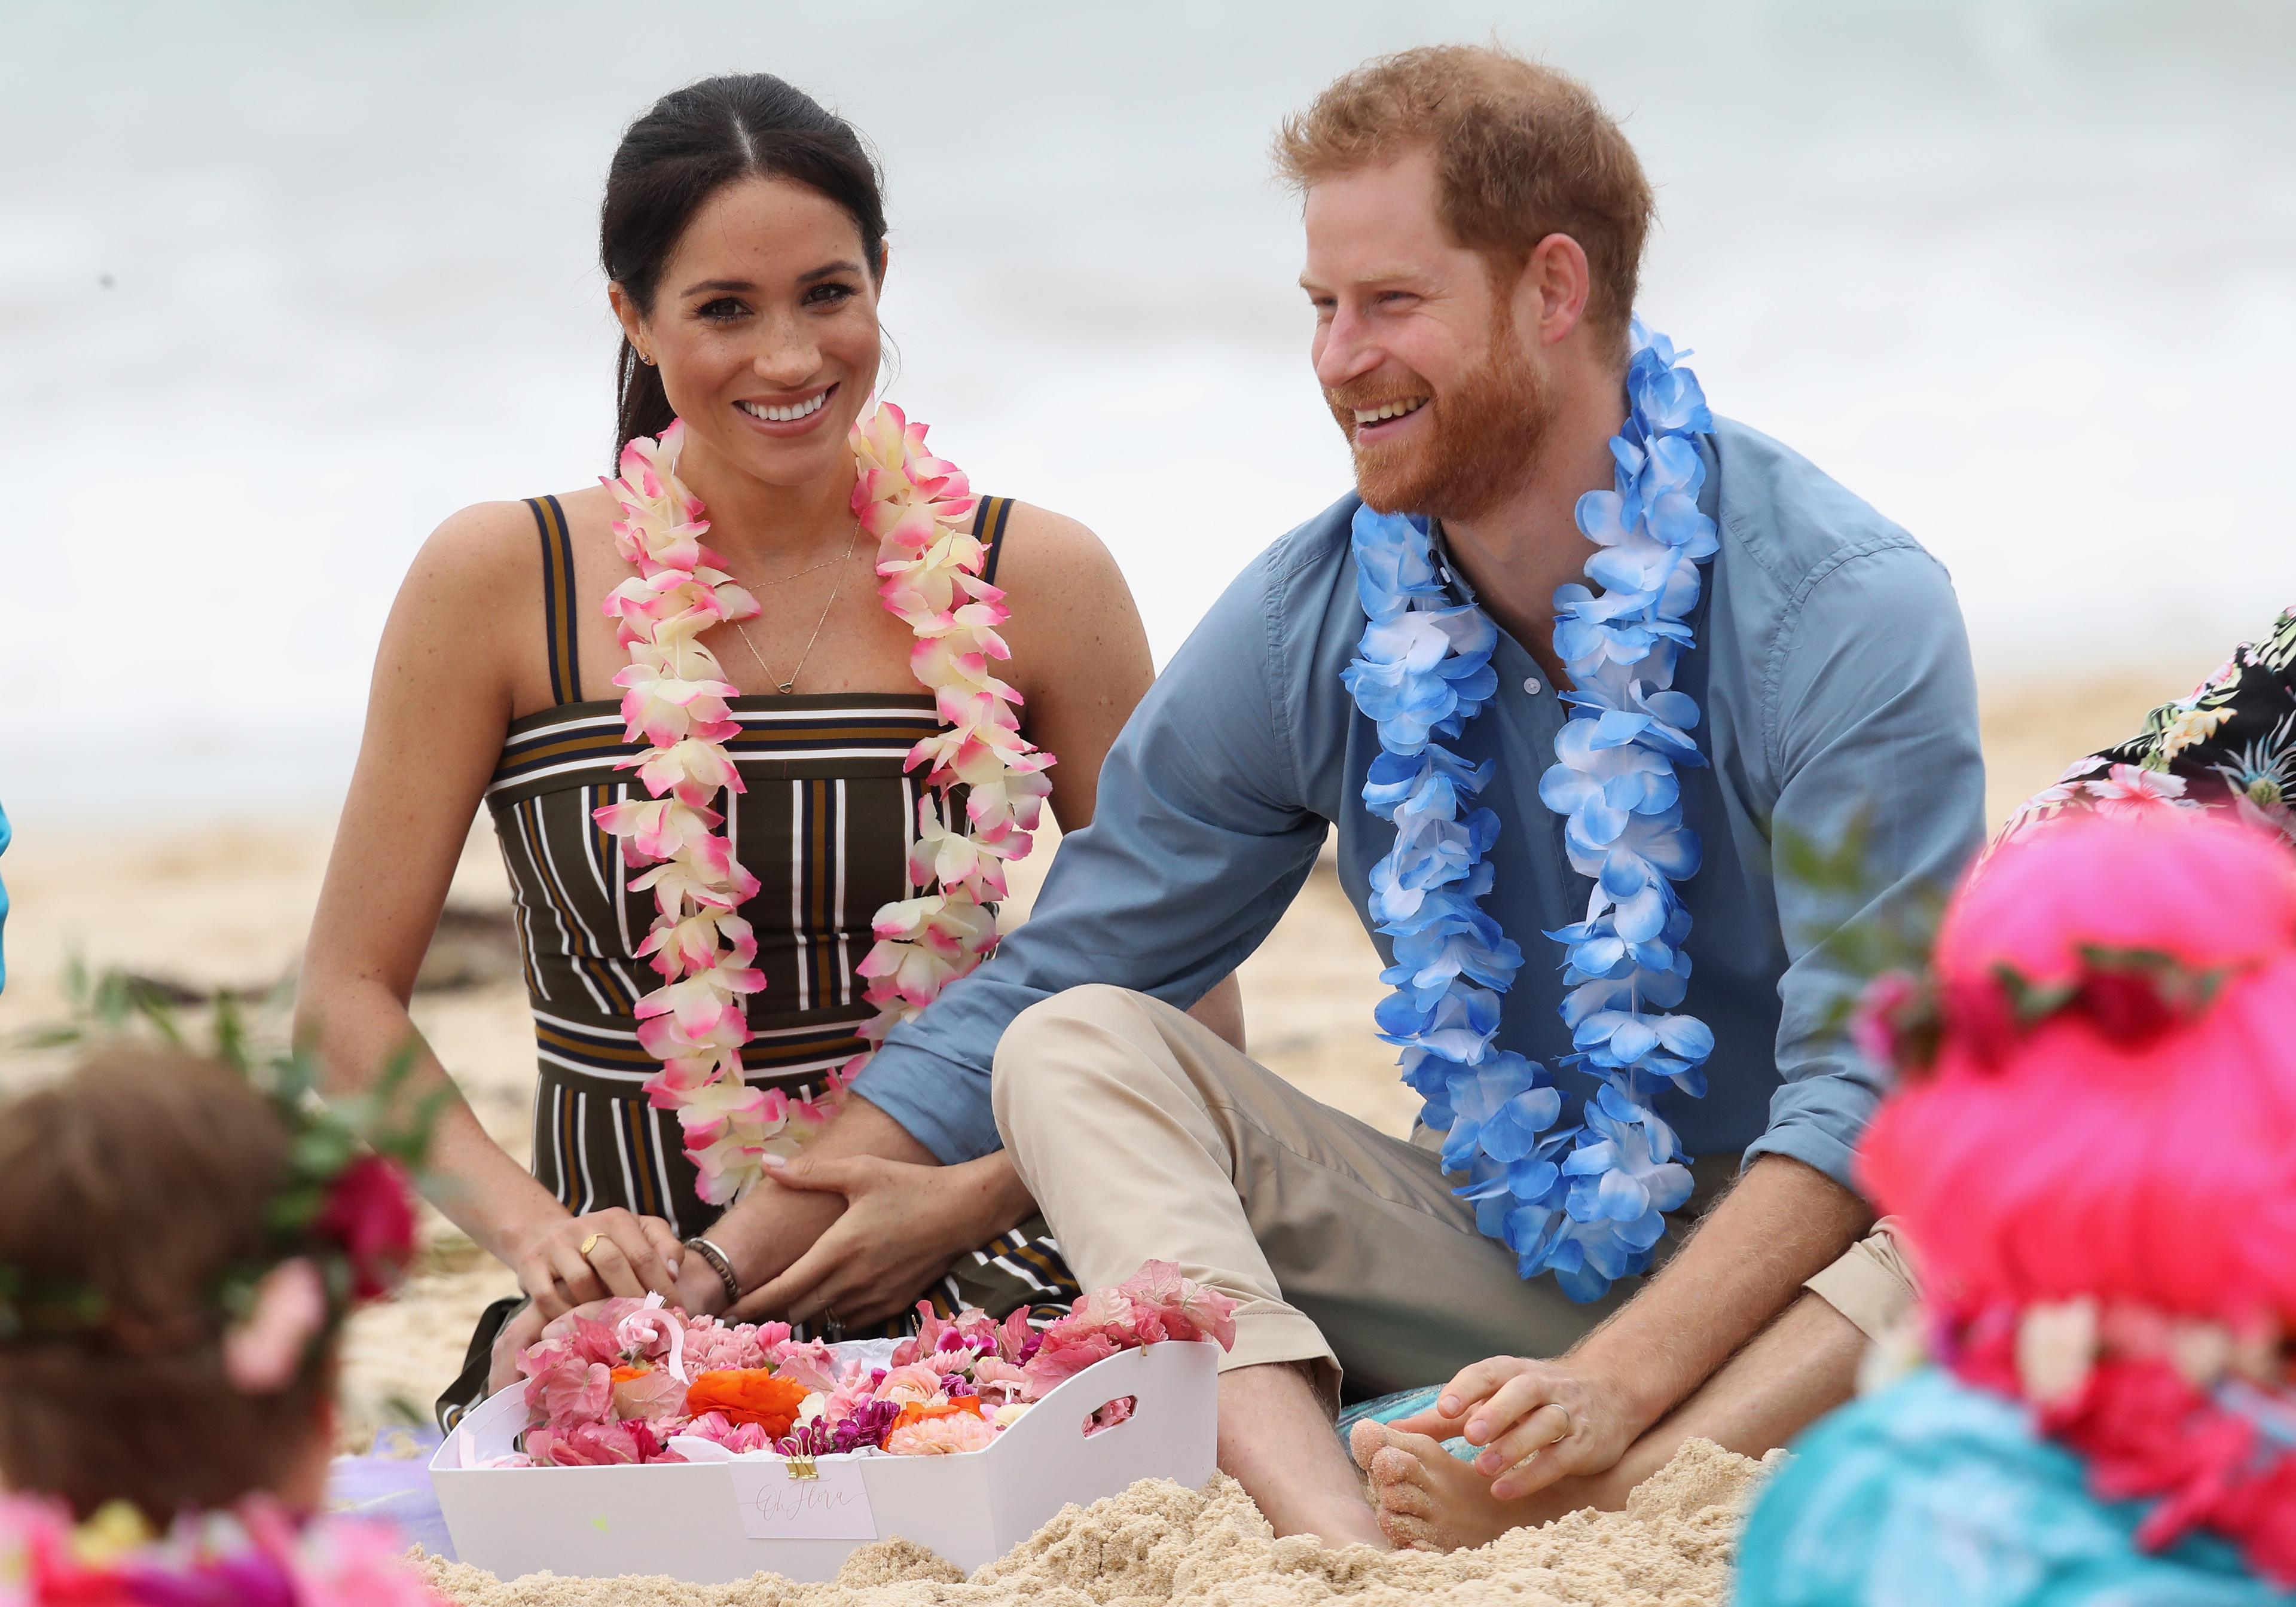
[693, 142]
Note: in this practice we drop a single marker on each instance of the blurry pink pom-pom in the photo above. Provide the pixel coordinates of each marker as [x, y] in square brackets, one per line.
[2139, 1144]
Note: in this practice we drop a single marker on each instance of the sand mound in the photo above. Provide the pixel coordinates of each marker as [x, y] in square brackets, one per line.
[1161, 1543]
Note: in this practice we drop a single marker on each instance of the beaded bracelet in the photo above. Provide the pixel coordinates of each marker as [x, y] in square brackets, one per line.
[719, 1263]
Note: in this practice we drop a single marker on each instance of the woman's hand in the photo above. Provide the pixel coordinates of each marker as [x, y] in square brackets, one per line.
[627, 1254]
[904, 1225]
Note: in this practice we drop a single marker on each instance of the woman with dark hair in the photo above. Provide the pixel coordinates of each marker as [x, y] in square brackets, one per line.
[799, 607]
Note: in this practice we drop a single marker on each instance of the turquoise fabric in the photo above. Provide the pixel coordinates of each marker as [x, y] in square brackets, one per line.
[1933, 1493]
[1387, 1408]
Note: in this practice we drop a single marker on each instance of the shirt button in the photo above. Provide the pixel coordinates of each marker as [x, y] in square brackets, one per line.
[1530, 685]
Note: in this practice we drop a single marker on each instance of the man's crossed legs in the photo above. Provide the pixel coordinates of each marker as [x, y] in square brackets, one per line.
[1143, 1135]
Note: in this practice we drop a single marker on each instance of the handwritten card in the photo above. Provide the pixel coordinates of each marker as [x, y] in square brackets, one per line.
[775, 1506]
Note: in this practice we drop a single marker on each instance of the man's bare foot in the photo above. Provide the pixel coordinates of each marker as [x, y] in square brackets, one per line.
[1276, 1440]
[1429, 1500]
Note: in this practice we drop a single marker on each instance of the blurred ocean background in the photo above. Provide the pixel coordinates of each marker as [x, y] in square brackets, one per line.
[283, 286]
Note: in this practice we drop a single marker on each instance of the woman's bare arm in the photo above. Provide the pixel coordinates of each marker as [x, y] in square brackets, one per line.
[437, 712]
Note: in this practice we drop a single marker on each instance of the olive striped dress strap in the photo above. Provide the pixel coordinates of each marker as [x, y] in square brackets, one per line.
[559, 617]
[989, 526]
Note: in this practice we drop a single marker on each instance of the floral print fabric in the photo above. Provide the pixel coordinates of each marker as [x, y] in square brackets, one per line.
[2228, 745]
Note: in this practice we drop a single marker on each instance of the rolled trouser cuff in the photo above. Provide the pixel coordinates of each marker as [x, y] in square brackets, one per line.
[1268, 1334]
[1872, 1283]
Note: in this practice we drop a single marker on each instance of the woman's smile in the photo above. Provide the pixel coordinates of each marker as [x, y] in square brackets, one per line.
[787, 417]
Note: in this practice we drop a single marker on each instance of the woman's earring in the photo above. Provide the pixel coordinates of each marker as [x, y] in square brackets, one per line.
[646, 359]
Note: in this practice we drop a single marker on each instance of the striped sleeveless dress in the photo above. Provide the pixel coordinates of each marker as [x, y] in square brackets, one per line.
[826, 826]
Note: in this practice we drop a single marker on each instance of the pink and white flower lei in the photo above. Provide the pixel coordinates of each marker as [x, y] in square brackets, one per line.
[676, 696]
[918, 508]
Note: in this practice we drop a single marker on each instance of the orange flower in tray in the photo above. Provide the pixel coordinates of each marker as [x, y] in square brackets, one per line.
[747, 1394]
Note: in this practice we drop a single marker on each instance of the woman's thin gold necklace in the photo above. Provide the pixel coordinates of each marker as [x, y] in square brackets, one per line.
[783, 687]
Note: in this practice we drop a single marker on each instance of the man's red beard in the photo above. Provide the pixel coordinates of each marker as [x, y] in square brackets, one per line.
[1476, 448]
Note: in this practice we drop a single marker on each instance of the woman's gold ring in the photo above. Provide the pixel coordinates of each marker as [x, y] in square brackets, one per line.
[588, 1245]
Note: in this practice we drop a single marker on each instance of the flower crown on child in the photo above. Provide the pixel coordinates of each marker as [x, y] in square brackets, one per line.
[340, 1222]
[2093, 1154]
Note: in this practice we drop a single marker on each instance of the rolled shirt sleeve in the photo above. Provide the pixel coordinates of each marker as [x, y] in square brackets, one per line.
[1873, 730]
[1198, 842]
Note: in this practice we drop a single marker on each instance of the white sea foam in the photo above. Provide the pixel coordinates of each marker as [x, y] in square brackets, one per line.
[279, 287]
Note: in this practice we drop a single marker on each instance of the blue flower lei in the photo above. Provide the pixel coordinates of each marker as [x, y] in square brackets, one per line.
[1587, 1202]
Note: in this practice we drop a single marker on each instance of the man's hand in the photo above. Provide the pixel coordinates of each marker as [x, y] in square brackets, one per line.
[1537, 1422]
[903, 1226]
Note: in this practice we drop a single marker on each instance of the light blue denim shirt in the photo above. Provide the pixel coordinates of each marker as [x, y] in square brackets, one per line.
[1834, 675]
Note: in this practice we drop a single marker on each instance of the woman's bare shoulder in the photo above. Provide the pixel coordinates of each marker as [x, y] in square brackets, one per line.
[494, 548]
[1073, 620]
[1047, 555]
[486, 542]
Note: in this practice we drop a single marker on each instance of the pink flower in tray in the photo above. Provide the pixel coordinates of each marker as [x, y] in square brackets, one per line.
[1001, 1380]
[597, 1445]
[1155, 1304]
[855, 1391]
[942, 1436]
[811, 1364]
[1184, 1308]
[715, 1347]
[1063, 1355]
[918, 1382]
[736, 1437]
[567, 1389]
[655, 1395]
[971, 1329]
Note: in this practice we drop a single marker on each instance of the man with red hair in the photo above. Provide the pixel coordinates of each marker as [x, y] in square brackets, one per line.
[1570, 656]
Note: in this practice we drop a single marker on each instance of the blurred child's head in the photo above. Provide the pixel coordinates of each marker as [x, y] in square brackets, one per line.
[2105, 1101]
[160, 1342]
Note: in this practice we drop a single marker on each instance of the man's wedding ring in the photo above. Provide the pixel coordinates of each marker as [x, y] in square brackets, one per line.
[588, 1245]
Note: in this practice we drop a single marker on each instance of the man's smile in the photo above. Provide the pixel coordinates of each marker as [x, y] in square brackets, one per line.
[1377, 422]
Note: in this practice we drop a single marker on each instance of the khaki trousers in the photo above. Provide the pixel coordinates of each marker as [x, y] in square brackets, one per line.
[1145, 1135]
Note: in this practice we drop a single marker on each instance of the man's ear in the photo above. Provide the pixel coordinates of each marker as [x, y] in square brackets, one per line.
[1551, 297]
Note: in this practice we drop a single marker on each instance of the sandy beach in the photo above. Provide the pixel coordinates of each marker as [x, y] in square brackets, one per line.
[224, 905]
